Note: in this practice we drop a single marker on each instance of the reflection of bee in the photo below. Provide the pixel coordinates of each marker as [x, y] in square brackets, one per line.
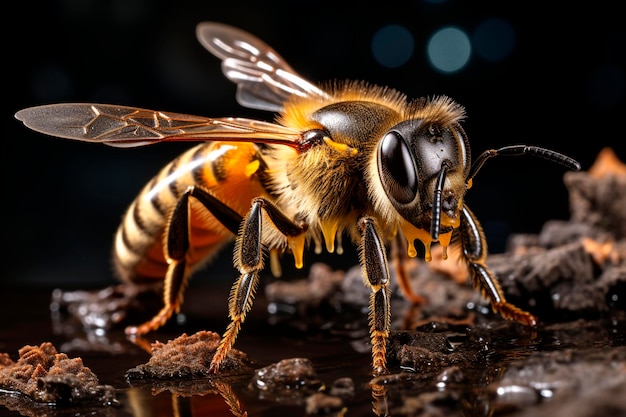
[350, 159]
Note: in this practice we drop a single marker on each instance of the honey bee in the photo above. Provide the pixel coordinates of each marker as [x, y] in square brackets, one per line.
[346, 159]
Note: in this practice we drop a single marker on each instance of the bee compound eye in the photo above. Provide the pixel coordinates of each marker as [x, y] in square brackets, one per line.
[397, 169]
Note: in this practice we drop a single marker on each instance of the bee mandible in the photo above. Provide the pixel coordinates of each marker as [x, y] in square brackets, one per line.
[345, 159]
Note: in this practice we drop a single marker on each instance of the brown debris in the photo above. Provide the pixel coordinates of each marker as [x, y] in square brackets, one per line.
[598, 197]
[430, 349]
[290, 379]
[576, 267]
[320, 286]
[188, 357]
[105, 308]
[566, 383]
[46, 376]
[181, 367]
[294, 381]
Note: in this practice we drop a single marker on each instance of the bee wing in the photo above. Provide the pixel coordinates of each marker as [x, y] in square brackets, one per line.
[264, 79]
[123, 126]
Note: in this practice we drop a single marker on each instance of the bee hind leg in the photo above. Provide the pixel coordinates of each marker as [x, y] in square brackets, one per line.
[176, 249]
[249, 261]
[475, 252]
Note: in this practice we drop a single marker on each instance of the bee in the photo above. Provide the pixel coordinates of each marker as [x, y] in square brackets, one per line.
[346, 159]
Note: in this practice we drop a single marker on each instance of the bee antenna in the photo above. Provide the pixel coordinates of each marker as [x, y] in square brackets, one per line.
[435, 219]
[515, 150]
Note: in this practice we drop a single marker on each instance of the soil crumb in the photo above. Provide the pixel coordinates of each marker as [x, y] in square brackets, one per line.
[294, 381]
[43, 375]
[189, 357]
[287, 378]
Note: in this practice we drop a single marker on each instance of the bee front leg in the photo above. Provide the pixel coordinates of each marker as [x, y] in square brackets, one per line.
[176, 249]
[376, 276]
[475, 253]
[249, 262]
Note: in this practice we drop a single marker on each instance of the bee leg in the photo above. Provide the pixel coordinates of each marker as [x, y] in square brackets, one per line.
[475, 253]
[376, 276]
[249, 262]
[176, 250]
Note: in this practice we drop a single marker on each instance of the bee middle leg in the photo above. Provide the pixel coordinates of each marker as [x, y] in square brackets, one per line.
[176, 250]
[376, 276]
[475, 252]
[249, 261]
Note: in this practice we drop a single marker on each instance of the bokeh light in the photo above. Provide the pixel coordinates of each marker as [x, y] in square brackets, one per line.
[449, 49]
[392, 46]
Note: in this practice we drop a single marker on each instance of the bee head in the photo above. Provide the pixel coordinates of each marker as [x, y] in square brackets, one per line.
[422, 166]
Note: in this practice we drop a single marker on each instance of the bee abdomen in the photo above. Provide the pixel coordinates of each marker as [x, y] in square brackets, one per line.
[219, 168]
[138, 247]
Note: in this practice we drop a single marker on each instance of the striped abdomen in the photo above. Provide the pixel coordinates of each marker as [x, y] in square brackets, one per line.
[226, 170]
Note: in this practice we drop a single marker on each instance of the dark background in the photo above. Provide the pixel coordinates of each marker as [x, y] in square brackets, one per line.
[562, 87]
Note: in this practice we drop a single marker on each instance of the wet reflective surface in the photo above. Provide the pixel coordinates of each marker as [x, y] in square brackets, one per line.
[443, 367]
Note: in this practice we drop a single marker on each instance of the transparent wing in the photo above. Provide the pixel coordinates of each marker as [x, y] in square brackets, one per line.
[123, 126]
[264, 79]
